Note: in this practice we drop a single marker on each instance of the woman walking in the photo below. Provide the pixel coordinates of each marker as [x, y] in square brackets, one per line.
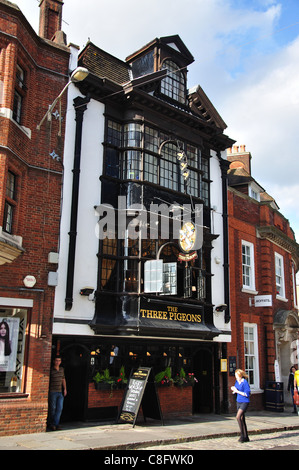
[242, 389]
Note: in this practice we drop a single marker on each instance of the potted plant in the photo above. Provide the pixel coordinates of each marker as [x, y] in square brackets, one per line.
[191, 379]
[122, 380]
[103, 381]
[180, 379]
[164, 377]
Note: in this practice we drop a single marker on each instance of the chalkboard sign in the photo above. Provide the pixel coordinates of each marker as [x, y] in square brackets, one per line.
[140, 392]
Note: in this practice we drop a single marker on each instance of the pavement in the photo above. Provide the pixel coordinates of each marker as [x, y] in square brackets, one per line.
[118, 437]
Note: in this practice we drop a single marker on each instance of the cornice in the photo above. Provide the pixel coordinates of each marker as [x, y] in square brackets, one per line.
[274, 235]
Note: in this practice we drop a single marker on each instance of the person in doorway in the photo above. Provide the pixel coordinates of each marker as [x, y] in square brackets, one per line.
[57, 392]
[291, 385]
[242, 389]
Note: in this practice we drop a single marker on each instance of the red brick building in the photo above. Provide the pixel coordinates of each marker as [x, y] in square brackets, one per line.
[33, 71]
[264, 258]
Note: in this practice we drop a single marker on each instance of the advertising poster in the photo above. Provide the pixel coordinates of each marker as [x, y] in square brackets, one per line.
[9, 331]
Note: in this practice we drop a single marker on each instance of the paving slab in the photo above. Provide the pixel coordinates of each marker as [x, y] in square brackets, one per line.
[111, 436]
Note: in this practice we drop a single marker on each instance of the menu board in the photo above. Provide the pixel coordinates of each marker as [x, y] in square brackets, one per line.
[140, 392]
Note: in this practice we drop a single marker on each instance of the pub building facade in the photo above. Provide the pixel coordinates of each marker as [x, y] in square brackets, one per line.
[142, 277]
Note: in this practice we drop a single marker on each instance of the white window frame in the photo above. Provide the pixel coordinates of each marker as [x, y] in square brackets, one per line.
[251, 354]
[250, 269]
[294, 286]
[254, 192]
[279, 277]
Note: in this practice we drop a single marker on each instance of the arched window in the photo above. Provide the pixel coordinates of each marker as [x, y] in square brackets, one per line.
[174, 85]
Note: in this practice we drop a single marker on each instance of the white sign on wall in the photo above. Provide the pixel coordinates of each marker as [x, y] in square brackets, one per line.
[263, 301]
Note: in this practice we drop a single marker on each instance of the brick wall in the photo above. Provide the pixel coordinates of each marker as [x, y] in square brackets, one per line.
[245, 216]
[174, 401]
[25, 151]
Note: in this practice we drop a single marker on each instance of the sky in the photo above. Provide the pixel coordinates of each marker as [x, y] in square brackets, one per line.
[246, 60]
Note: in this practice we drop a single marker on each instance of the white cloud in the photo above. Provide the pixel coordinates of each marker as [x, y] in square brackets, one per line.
[251, 79]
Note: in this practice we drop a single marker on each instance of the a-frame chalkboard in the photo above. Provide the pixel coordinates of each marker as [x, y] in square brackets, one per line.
[141, 391]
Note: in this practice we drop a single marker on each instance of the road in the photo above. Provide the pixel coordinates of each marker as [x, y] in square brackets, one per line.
[285, 440]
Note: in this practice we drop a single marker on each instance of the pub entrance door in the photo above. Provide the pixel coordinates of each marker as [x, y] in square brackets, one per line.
[203, 389]
[75, 359]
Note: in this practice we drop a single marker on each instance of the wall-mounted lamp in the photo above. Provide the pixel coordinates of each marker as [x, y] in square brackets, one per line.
[79, 74]
[86, 291]
[221, 308]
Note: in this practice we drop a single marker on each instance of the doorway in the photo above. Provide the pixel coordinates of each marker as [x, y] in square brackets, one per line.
[203, 388]
[75, 362]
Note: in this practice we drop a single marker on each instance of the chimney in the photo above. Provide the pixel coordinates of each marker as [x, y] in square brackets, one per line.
[240, 158]
[50, 18]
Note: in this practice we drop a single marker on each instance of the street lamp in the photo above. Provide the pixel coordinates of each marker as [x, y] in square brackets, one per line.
[79, 74]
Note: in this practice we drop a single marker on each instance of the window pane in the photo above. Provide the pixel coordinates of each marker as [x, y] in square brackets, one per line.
[132, 165]
[250, 350]
[150, 168]
[174, 84]
[10, 185]
[112, 164]
[17, 107]
[132, 135]
[114, 133]
[8, 218]
[151, 139]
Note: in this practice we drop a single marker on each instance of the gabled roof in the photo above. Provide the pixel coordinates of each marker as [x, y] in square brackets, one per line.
[174, 43]
[202, 106]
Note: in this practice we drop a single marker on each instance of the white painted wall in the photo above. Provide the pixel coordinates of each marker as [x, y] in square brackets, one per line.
[87, 244]
[217, 255]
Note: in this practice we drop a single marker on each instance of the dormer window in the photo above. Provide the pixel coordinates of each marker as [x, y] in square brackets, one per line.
[174, 85]
[254, 192]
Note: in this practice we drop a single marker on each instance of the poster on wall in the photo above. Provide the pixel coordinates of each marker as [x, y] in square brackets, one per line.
[9, 332]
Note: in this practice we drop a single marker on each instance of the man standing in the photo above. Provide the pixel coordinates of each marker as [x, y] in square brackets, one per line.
[57, 392]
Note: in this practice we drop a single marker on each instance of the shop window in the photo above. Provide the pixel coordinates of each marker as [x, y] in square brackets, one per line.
[12, 346]
[158, 356]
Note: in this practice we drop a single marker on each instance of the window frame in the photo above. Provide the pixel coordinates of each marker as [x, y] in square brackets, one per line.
[19, 94]
[251, 267]
[133, 152]
[174, 85]
[252, 370]
[279, 288]
[10, 202]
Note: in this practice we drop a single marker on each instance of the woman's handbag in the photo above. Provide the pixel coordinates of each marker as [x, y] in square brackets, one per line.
[296, 397]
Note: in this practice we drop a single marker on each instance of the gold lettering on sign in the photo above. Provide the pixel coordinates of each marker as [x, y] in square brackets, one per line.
[172, 314]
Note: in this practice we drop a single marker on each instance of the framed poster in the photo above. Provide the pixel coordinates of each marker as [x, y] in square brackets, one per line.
[9, 334]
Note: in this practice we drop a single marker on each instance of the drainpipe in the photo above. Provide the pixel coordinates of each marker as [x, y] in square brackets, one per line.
[224, 164]
[80, 105]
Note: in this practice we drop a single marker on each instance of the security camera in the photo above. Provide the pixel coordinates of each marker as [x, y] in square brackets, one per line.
[221, 308]
[86, 291]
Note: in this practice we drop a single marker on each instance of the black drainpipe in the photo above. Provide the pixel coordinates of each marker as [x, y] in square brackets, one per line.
[80, 105]
[224, 165]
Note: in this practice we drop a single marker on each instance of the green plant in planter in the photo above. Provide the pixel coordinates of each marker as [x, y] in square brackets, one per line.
[180, 378]
[104, 378]
[164, 377]
[122, 379]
